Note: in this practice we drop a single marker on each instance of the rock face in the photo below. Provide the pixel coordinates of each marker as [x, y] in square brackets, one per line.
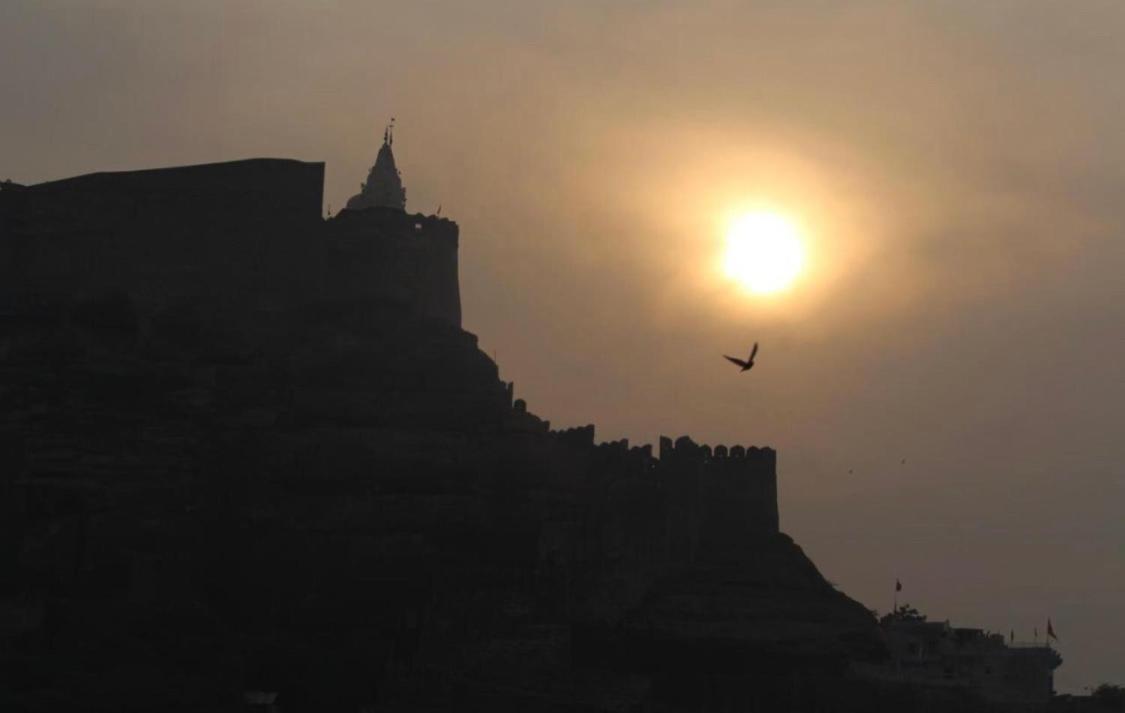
[246, 450]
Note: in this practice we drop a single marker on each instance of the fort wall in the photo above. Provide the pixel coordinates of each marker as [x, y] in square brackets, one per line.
[686, 496]
[244, 244]
[160, 234]
[245, 236]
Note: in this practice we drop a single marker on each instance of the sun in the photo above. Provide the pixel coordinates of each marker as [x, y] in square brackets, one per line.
[764, 252]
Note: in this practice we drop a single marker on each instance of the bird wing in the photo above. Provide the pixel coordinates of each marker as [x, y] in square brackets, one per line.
[732, 360]
[754, 351]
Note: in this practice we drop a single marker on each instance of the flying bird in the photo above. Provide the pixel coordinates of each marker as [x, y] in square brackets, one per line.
[746, 365]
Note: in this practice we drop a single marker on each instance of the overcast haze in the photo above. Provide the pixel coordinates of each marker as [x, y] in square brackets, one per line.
[958, 168]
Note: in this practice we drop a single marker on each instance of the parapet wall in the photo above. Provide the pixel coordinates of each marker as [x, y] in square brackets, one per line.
[735, 488]
[719, 495]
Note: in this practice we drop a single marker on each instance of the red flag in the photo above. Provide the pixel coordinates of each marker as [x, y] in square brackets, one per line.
[1051, 630]
[898, 586]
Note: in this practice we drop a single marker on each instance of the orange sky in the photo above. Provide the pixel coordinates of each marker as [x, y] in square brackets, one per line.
[958, 167]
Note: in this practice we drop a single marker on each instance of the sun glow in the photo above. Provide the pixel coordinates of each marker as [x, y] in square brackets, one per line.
[764, 252]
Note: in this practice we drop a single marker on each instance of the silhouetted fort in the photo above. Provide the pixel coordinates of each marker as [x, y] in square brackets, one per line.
[250, 451]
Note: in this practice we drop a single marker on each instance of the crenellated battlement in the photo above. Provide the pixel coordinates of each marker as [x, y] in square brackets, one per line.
[718, 494]
[577, 436]
[685, 449]
[733, 489]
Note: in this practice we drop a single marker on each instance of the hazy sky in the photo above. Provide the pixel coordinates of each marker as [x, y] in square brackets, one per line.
[958, 168]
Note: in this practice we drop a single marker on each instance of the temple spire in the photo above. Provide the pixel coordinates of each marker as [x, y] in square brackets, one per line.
[383, 188]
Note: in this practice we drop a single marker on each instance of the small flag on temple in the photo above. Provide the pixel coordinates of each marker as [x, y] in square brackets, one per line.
[1051, 630]
[898, 586]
